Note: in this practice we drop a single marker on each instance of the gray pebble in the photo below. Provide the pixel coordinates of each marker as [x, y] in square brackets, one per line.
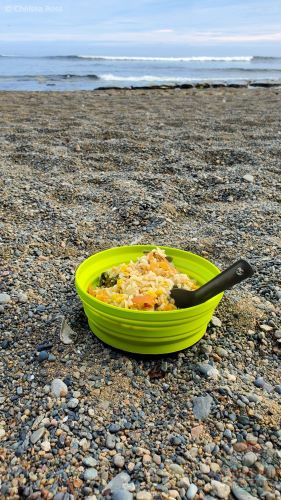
[119, 460]
[110, 441]
[4, 298]
[249, 459]
[73, 403]
[202, 406]
[191, 492]
[122, 495]
[89, 461]
[241, 494]
[36, 435]
[90, 474]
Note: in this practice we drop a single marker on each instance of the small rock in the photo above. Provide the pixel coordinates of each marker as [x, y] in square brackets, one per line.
[266, 328]
[197, 431]
[110, 441]
[241, 494]
[43, 356]
[221, 352]
[222, 490]
[73, 403]
[2, 433]
[216, 321]
[173, 494]
[177, 469]
[4, 298]
[202, 406]
[36, 435]
[119, 461]
[67, 335]
[191, 492]
[119, 482]
[114, 428]
[208, 370]
[89, 461]
[249, 459]
[248, 178]
[122, 495]
[259, 382]
[240, 447]
[59, 388]
[46, 446]
[204, 468]
[52, 357]
[90, 474]
[144, 495]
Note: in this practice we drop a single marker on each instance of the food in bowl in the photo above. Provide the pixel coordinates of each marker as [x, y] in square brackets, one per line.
[143, 285]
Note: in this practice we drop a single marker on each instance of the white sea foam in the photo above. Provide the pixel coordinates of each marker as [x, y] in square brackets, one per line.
[171, 59]
[144, 78]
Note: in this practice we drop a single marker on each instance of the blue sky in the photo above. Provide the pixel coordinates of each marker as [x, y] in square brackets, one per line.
[242, 27]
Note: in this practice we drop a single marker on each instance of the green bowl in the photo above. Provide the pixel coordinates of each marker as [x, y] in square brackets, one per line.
[146, 332]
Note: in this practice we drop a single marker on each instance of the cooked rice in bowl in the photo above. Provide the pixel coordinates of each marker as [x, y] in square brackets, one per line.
[143, 285]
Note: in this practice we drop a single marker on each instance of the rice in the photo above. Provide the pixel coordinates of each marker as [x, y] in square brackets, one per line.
[143, 285]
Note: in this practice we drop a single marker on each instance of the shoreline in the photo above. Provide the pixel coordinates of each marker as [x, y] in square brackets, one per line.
[196, 85]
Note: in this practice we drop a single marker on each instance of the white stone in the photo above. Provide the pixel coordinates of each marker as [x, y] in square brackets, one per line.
[222, 490]
[59, 388]
[46, 446]
[248, 178]
[216, 321]
[2, 433]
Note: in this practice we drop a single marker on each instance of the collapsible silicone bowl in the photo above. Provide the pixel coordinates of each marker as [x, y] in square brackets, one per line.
[146, 332]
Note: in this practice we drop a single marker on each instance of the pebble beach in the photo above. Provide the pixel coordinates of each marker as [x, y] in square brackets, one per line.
[80, 172]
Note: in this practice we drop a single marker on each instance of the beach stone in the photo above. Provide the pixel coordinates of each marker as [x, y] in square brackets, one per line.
[248, 178]
[249, 459]
[73, 403]
[216, 321]
[120, 482]
[46, 446]
[144, 495]
[240, 493]
[36, 435]
[90, 474]
[191, 492]
[222, 490]
[208, 371]
[114, 428]
[110, 441]
[2, 433]
[119, 460]
[122, 495]
[43, 356]
[223, 353]
[59, 388]
[89, 461]
[202, 406]
[177, 469]
[4, 298]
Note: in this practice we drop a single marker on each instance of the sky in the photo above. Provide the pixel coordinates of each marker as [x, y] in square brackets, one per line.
[141, 27]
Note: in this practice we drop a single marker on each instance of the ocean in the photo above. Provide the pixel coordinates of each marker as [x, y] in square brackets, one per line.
[87, 72]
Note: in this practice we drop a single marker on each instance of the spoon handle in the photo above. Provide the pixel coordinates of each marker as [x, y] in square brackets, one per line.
[233, 275]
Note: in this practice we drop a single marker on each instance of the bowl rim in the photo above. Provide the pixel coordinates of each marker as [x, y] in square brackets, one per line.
[86, 297]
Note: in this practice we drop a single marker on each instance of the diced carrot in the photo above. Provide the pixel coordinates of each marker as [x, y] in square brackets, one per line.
[144, 301]
[91, 290]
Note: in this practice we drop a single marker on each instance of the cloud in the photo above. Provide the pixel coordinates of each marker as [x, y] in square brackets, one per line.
[156, 36]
